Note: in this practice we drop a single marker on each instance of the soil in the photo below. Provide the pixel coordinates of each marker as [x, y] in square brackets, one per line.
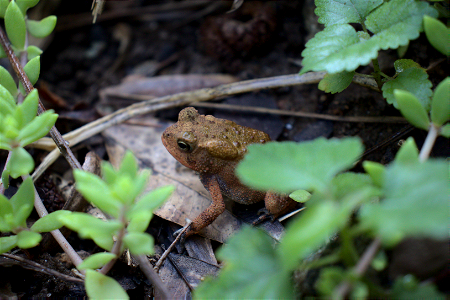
[78, 62]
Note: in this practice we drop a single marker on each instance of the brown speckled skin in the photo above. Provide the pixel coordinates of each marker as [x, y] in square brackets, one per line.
[213, 147]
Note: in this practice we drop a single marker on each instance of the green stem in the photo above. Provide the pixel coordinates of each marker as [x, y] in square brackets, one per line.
[348, 252]
[429, 142]
[376, 73]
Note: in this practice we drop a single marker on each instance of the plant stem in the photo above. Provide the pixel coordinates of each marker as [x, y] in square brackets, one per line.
[376, 73]
[54, 133]
[147, 269]
[342, 289]
[429, 142]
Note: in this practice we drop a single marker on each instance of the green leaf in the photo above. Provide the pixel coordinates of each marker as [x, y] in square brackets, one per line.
[398, 21]
[28, 239]
[37, 128]
[129, 165]
[412, 109]
[440, 103]
[347, 183]
[151, 200]
[5, 211]
[29, 108]
[99, 286]
[21, 163]
[139, 243]
[329, 279]
[109, 174]
[32, 69]
[7, 81]
[445, 131]
[50, 222]
[437, 34]
[2, 53]
[416, 203]
[33, 52]
[96, 261]
[344, 11]
[410, 77]
[380, 261]
[5, 173]
[407, 287]
[287, 166]
[336, 83]
[3, 5]
[252, 270]
[140, 221]
[15, 25]
[376, 172]
[7, 243]
[97, 192]
[24, 5]
[308, 232]
[300, 196]
[408, 153]
[6, 100]
[22, 202]
[42, 28]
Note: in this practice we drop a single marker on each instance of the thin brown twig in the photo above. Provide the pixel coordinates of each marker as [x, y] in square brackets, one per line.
[41, 268]
[54, 133]
[151, 274]
[263, 110]
[342, 289]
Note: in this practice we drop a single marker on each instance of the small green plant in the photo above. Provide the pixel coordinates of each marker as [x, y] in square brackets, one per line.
[407, 198]
[117, 195]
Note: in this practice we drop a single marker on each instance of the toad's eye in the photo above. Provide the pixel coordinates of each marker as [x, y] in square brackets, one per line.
[184, 146]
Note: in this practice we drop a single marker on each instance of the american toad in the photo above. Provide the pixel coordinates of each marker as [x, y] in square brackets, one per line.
[213, 147]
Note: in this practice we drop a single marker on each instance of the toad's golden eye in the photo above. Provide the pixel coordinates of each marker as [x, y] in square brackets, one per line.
[184, 146]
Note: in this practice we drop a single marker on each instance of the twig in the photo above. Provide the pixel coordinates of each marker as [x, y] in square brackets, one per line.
[341, 291]
[151, 274]
[166, 253]
[263, 110]
[41, 268]
[54, 133]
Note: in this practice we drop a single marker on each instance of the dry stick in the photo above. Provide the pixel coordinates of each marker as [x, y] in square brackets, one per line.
[341, 291]
[41, 268]
[147, 269]
[264, 110]
[54, 133]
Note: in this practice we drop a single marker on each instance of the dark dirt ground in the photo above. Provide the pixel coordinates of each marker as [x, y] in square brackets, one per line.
[80, 61]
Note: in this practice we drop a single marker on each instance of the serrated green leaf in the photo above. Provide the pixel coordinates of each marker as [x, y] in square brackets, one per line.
[7, 243]
[309, 165]
[300, 196]
[410, 77]
[99, 286]
[96, 261]
[407, 287]
[24, 5]
[437, 34]
[32, 69]
[416, 203]
[344, 11]
[151, 200]
[412, 109]
[50, 222]
[440, 103]
[337, 48]
[32, 52]
[252, 270]
[7, 81]
[42, 28]
[376, 172]
[140, 221]
[15, 25]
[408, 153]
[28, 239]
[336, 83]
[139, 243]
[21, 163]
[445, 131]
[37, 128]
[97, 192]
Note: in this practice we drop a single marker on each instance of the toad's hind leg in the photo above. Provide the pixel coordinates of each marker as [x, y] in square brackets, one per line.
[276, 206]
